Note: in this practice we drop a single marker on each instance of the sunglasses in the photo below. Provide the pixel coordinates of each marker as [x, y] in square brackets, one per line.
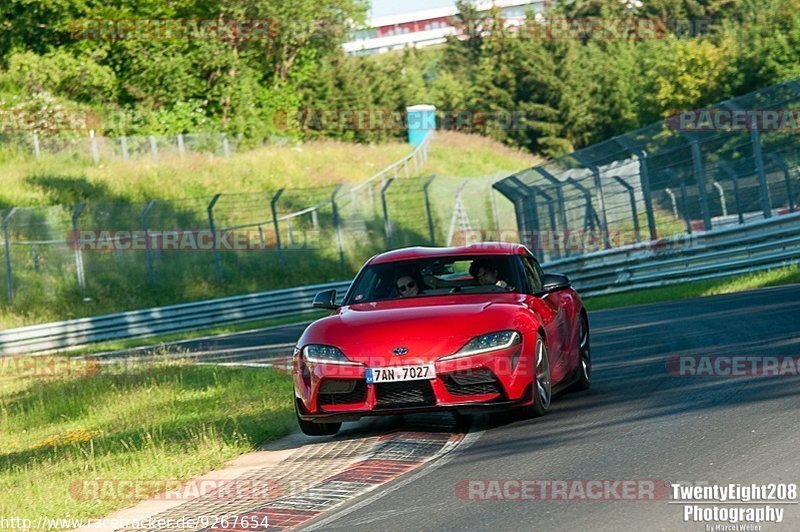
[404, 287]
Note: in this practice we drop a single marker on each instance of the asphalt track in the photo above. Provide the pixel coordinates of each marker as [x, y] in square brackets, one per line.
[638, 422]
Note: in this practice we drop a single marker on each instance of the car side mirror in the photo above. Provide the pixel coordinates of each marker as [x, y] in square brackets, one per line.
[326, 299]
[555, 281]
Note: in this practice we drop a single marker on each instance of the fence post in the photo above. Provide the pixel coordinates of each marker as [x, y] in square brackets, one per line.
[151, 273]
[425, 188]
[599, 196]
[37, 151]
[337, 226]
[387, 224]
[123, 142]
[758, 158]
[700, 175]
[272, 205]
[7, 245]
[181, 149]
[153, 147]
[78, 251]
[93, 145]
[644, 175]
[35, 256]
[766, 203]
[634, 210]
[212, 226]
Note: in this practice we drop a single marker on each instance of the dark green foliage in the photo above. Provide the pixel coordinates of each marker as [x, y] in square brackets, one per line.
[548, 95]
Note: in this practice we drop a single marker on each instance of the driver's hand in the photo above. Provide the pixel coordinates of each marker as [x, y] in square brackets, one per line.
[501, 284]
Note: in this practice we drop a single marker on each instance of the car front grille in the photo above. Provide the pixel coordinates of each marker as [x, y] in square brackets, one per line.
[472, 382]
[404, 394]
[342, 391]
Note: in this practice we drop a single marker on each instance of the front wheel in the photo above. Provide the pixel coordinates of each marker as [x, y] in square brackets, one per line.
[309, 428]
[584, 381]
[543, 385]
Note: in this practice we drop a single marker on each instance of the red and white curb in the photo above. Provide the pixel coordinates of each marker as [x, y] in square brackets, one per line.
[392, 456]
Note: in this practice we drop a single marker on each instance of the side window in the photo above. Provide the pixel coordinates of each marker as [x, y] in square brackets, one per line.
[533, 272]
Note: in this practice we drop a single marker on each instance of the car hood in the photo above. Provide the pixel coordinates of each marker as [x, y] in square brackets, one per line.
[428, 327]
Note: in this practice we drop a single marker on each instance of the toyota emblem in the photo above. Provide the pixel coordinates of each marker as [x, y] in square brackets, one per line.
[400, 350]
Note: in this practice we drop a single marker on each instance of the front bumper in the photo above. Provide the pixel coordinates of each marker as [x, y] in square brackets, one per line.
[495, 380]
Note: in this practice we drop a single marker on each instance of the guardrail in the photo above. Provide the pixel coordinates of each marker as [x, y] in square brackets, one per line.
[756, 246]
[163, 320]
[753, 247]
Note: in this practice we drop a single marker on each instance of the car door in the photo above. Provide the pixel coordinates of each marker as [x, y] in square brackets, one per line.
[550, 307]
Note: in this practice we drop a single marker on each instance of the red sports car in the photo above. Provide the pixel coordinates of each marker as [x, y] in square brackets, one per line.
[423, 329]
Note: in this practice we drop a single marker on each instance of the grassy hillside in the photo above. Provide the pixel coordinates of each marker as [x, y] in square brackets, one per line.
[45, 275]
[66, 179]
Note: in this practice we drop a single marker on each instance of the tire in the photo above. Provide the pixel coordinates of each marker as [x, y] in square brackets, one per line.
[584, 381]
[542, 384]
[542, 381]
[309, 428]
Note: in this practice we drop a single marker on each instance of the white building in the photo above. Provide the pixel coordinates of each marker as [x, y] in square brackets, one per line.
[425, 27]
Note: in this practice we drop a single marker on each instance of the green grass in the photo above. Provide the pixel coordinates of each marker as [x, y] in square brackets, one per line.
[45, 278]
[64, 179]
[156, 422]
[728, 285]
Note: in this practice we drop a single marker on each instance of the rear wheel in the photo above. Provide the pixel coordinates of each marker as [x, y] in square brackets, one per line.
[309, 428]
[584, 381]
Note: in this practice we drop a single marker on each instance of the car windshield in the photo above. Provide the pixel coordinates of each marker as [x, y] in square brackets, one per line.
[436, 276]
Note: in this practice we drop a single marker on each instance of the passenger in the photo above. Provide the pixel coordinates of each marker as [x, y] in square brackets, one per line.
[486, 273]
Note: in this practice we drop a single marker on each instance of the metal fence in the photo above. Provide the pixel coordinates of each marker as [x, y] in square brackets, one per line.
[87, 145]
[721, 252]
[666, 179]
[120, 255]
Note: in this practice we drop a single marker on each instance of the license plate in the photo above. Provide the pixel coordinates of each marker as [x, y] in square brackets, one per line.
[401, 373]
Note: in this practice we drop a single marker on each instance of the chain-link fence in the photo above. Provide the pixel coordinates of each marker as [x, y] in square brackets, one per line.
[106, 256]
[89, 147]
[706, 169]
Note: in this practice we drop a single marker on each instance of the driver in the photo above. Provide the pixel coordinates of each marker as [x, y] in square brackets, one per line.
[486, 273]
[407, 286]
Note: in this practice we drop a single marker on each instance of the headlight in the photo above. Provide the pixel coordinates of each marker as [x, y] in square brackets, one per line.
[326, 354]
[487, 342]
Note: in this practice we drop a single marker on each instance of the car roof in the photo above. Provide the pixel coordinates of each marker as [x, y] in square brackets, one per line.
[480, 248]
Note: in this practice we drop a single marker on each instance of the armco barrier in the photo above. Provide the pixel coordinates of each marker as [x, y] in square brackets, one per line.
[753, 247]
[757, 246]
[163, 320]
